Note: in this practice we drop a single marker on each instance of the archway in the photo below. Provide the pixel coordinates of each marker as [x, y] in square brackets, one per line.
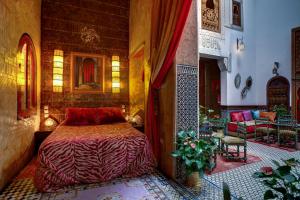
[278, 92]
[26, 78]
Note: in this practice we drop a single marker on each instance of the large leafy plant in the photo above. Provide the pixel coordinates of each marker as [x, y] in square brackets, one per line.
[204, 114]
[284, 180]
[195, 153]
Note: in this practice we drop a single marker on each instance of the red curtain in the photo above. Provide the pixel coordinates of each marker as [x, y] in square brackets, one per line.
[88, 71]
[159, 72]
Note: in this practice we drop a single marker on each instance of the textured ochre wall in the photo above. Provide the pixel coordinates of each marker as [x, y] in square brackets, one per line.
[139, 38]
[16, 137]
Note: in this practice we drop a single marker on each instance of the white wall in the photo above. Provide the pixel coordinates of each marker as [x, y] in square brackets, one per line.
[274, 21]
[267, 38]
[242, 62]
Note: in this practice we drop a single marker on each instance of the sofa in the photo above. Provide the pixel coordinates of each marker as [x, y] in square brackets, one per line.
[248, 117]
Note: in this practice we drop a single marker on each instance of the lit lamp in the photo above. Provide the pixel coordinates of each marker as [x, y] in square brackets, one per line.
[115, 74]
[49, 121]
[240, 45]
[58, 69]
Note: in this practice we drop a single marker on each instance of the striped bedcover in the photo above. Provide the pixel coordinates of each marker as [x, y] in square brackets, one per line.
[90, 154]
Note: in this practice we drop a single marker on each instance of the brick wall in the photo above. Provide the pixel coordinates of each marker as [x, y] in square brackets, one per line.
[62, 24]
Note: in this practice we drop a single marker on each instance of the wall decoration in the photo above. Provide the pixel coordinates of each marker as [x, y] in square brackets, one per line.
[89, 35]
[249, 82]
[210, 12]
[247, 87]
[275, 68]
[236, 14]
[87, 73]
[244, 92]
[237, 81]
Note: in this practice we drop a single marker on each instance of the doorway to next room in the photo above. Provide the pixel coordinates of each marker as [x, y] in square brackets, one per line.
[209, 84]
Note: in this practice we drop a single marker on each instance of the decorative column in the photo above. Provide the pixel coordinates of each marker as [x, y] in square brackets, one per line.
[187, 68]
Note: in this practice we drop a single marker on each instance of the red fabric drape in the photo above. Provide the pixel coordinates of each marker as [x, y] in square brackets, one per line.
[152, 123]
[88, 71]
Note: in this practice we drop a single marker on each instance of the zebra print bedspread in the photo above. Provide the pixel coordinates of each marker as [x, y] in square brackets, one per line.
[90, 154]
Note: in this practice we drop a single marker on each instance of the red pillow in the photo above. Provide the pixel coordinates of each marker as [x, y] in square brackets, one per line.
[236, 117]
[110, 115]
[93, 116]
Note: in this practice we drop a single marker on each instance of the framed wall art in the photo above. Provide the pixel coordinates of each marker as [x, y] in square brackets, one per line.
[236, 14]
[87, 73]
[210, 13]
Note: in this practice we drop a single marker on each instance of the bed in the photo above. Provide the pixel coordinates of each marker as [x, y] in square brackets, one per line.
[79, 154]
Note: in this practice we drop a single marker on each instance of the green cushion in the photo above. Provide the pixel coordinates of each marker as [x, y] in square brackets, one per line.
[219, 134]
[265, 130]
[287, 132]
[233, 140]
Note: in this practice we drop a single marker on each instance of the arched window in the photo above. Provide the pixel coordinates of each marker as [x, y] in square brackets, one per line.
[26, 78]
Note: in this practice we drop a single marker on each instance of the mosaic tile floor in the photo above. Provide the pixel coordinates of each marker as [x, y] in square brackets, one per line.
[148, 187]
[157, 187]
[240, 179]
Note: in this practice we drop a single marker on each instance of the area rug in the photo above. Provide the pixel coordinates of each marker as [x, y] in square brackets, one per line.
[224, 164]
[275, 145]
[153, 186]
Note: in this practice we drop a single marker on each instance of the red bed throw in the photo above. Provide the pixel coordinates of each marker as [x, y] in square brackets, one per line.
[90, 154]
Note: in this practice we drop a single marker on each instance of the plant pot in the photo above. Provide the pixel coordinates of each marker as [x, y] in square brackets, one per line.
[194, 181]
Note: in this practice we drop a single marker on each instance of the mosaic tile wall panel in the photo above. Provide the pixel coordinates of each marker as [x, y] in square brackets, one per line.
[187, 104]
[187, 97]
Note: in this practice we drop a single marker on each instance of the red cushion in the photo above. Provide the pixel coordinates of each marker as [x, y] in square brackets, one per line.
[232, 127]
[93, 116]
[236, 117]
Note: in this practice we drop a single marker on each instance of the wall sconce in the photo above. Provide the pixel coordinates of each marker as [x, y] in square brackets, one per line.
[115, 63]
[240, 45]
[58, 69]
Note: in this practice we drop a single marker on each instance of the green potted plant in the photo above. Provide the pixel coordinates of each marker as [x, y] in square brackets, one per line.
[280, 110]
[284, 180]
[196, 154]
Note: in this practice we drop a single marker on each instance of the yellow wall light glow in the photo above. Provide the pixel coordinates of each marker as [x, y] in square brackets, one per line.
[116, 85]
[58, 68]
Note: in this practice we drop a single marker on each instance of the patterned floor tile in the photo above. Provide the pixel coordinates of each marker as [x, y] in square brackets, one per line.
[240, 180]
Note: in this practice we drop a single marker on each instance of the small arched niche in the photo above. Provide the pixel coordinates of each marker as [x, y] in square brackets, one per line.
[278, 92]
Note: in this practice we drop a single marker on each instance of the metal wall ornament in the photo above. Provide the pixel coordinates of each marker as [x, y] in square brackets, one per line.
[249, 82]
[275, 68]
[244, 92]
[237, 80]
[89, 35]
